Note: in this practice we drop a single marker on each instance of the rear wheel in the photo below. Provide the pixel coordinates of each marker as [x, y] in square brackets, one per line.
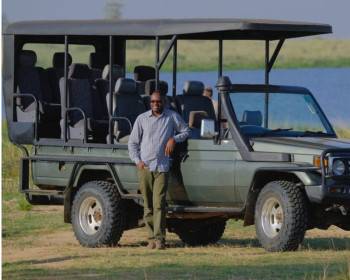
[98, 215]
[199, 233]
[281, 216]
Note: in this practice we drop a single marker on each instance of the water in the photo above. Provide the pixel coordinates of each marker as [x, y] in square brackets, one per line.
[330, 86]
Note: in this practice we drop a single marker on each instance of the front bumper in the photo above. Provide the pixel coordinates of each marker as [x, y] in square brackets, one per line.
[332, 194]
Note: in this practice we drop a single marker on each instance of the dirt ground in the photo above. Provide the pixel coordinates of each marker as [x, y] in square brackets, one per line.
[58, 255]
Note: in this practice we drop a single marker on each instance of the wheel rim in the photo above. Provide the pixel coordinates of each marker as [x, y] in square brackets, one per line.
[272, 217]
[90, 215]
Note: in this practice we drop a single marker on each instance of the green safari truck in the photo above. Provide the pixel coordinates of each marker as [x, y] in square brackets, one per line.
[268, 155]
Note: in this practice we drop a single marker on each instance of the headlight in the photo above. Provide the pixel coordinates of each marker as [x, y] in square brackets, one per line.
[338, 167]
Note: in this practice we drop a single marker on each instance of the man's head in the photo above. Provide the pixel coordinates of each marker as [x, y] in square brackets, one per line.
[157, 102]
[208, 92]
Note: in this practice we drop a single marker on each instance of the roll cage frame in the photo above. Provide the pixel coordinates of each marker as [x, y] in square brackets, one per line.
[223, 85]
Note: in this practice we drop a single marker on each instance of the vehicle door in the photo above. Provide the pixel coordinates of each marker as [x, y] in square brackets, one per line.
[208, 172]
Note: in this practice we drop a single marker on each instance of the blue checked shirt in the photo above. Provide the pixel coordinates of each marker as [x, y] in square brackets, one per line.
[149, 137]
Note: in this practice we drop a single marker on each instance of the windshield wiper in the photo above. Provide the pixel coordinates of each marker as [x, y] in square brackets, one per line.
[271, 131]
[280, 129]
[315, 133]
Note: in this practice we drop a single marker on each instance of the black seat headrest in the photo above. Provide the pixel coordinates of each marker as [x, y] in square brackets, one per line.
[150, 86]
[97, 60]
[58, 60]
[142, 73]
[79, 71]
[252, 118]
[125, 86]
[193, 88]
[117, 72]
[27, 58]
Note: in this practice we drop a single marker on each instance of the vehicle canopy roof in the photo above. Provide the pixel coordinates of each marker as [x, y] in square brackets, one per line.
[207, 29]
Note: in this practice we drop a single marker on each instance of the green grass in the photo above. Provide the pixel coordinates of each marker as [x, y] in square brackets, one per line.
[202, 55]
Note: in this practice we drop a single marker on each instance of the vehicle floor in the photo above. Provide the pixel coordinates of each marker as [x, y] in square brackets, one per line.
[38, 245]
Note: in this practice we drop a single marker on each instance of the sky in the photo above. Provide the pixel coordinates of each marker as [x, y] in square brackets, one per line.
[334, 12]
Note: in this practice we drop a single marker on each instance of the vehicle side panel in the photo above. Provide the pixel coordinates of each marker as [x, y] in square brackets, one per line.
[7, 73]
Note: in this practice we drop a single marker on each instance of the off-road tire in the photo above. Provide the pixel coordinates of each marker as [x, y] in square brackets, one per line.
[294, 205]
[199, 233]
[113, 222]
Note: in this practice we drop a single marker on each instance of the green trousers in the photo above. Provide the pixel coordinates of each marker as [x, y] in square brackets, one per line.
[153, 187]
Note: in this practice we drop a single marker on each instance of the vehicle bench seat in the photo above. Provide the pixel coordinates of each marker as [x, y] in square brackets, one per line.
[81, 94]
[127, 103]
[193, 100]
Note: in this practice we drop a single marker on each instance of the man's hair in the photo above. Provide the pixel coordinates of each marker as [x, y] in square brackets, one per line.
[156, 91]
[208, 91]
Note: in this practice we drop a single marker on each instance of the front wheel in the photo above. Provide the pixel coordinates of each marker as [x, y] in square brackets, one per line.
[98, 215]
[281, 216]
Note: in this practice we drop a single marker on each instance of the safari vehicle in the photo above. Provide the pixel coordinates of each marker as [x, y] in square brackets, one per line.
[271, 158]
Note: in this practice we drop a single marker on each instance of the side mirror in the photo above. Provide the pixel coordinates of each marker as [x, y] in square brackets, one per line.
[208, 128]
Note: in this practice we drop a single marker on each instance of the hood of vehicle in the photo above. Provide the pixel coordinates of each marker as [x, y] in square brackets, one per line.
[299, 145]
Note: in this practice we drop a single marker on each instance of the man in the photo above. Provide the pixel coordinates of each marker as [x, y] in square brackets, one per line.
[208, 92]
[151, 143]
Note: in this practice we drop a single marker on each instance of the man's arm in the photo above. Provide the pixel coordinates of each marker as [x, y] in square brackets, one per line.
[181, 127]
[135, 141]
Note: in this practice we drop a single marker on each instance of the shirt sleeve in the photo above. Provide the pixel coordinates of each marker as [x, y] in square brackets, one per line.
[181, 128]
[135, 141]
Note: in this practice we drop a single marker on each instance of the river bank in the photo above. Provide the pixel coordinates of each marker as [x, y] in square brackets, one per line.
[202, 55]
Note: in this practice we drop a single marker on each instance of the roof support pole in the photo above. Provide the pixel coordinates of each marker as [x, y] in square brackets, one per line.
[65, 99]
[275, 54]
[174, 67]
[111, 59]
[267, 81]
[157, 63]
[166, 52]
[220, 59]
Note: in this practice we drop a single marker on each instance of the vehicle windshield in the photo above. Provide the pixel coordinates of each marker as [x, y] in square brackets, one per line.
[288, 114]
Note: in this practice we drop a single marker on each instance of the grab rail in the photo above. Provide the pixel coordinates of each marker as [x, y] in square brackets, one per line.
[112, 120]
[66, 119]
[21, 95]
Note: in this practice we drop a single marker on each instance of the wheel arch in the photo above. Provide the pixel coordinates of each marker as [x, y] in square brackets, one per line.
[262, 177]
[85, 172]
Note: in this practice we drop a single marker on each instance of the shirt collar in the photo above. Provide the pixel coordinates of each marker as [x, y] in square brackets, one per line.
[161, 115]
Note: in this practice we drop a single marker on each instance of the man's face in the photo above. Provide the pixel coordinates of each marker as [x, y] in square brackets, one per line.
[157, 103]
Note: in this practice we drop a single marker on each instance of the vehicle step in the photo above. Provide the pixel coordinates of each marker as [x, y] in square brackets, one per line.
[43, 192]
[202, 209]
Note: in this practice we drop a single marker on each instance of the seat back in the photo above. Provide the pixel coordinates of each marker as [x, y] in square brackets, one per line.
[150, 87]
[126, 103]
[96, 63]
[28, 78]
[252, 118]
[55, 73]
[79, 93]
[102, 86]
[193, 100]
[142, 73]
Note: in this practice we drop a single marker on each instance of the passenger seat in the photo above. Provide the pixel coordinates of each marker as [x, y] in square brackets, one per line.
[252, 118]
[80, 94]
[56, 72]
[142, 73]
[193, 100]
[102, 86]
[33, 80]
[150, 86]
[126, 104]
[96, 63]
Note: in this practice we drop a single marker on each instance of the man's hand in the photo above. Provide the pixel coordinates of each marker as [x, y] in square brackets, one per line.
[141, 165]
[170, 146]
